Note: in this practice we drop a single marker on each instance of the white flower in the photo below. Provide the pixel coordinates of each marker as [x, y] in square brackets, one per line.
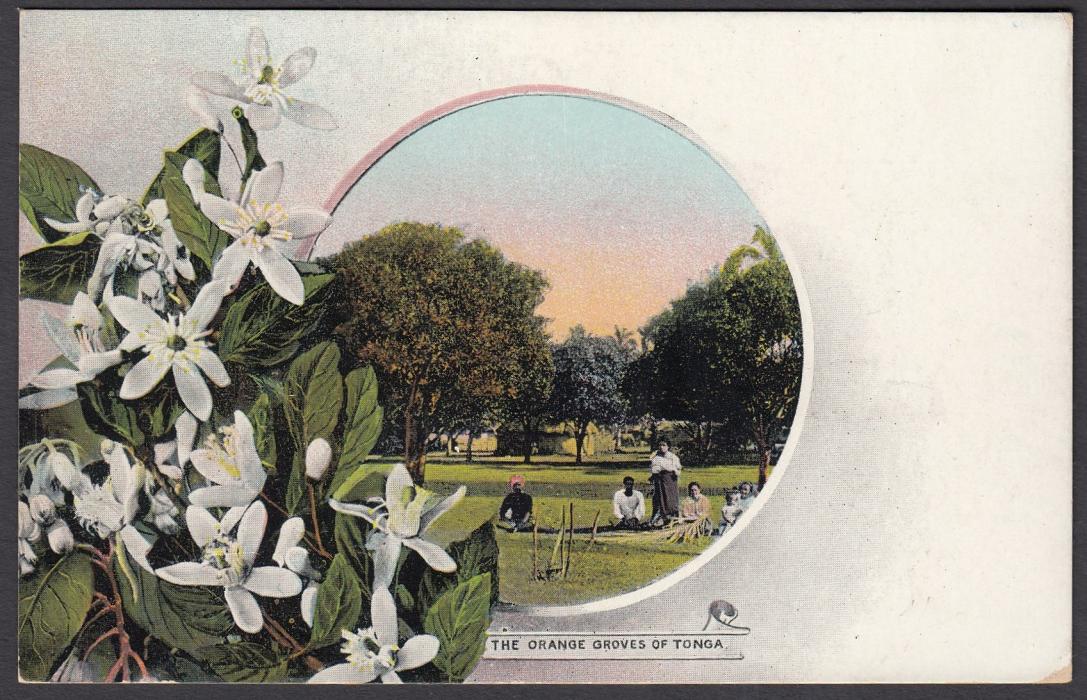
[372, 654]
[231, 463]
[173, 343]
[197, 100]
[140, 238]
[227, 561]
[44, 513]
[29, 531]
[260, 225]
[318, 457]
[263, 92]
[162, 513]
[79, 339]
[60, 537]
[93, 212]
[402, 518]
[288, 553]
[112, 506]
[52, 471]
[172, 456]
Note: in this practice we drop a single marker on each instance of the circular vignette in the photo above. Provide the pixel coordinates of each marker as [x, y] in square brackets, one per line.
[359, 170]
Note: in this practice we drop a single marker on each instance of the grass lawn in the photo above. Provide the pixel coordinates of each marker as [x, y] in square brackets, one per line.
[611, 565]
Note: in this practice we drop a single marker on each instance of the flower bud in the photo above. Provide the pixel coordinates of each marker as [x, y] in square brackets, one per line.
[60, 537]
[28, 529]
[193, 175]
[309, 603]
[318, 457]
[298, 562]
[42, 509]
[65, 472]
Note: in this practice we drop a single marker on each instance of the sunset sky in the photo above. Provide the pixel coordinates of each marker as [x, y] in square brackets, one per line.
[617, 210]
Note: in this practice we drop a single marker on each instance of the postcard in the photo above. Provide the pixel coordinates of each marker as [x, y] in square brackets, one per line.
[442, 347]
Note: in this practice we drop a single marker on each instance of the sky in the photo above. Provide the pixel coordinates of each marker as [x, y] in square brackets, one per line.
[618, 211]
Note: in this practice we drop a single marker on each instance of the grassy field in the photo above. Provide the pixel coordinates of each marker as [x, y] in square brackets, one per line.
[609, 566]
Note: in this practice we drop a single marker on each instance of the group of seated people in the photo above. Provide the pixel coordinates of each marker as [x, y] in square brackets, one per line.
[628, 506]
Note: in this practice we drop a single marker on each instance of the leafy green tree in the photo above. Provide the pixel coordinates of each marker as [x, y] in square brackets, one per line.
[588, 373]
[440, 318]
[726, 358]
[526, 406]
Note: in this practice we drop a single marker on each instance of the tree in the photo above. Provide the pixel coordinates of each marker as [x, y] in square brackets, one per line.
[440, 319]
[726, 358]
[588, 372]
[767, 344]
[530, 391]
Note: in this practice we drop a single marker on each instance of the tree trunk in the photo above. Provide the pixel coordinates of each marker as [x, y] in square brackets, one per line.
[579, 441]
[528, 436]
[414, 446]
[471, 436]
[762, 442]
[449, 444]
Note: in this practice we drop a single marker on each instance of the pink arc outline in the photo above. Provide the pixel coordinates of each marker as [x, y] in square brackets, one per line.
[356, 173]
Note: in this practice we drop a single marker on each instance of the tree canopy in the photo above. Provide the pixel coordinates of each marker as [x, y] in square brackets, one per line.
[442, 319]
[588, 373]
[727, 356]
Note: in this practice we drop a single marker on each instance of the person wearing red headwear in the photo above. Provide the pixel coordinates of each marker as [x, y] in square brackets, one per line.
[516, 509]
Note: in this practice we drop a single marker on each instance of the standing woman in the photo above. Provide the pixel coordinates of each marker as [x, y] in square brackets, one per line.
[664, 468]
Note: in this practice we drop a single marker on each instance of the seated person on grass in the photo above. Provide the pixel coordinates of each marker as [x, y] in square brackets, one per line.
[731, 511]
[516, 509]
[696, 505]
[747, 494]
[628, 506]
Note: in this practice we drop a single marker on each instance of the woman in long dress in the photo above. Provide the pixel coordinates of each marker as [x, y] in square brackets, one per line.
[664, 468]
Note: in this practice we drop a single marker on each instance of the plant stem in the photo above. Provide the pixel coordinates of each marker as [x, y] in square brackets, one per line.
[125, 652]
[284, 639]
[313, 515]
[310, 540]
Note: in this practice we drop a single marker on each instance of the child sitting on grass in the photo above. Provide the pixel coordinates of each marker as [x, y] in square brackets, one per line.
[730, 512]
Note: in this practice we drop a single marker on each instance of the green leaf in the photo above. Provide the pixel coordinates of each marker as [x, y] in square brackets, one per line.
[49, 187]
[350, 534]
[244, 662]
[263, 329]
[459, 619]
[205, 147]
[196, 231]
[364, 481]
[108, 415]
[60, 270]
[264, 429]
[339, 603]
[186, 617]
[313, 394]
[362, 425]
[475, 555]
[53, 602]
[253, 159]
[404, 596]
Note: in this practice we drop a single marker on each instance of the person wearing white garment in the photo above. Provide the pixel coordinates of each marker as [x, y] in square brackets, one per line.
[664, 470]
[628, 506]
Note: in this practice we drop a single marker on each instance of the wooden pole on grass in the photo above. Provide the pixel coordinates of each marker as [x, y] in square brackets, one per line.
[592, 537]
[535, 547]
[557, 551]
[569, 543]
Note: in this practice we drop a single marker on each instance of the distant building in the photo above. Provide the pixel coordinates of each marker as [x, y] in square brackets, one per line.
[557, 440]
